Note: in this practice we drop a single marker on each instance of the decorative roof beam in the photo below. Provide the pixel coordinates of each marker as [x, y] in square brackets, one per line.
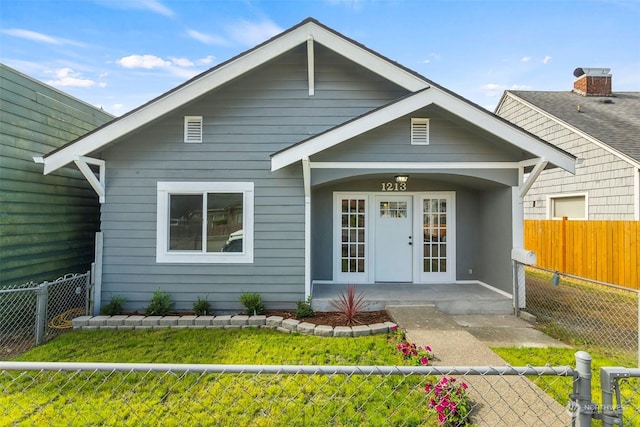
[535, 173]
[311, 65]
[97, 182]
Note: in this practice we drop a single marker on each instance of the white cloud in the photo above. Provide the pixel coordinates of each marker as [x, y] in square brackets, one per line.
[143, 61]
[521, 87]
[525, 59]
[546, 59]
[38, 37]
[206, 61]
[253, 33]
[207, 38]
[432, 57]
[182, 62]
[150, 5]
[66, 77]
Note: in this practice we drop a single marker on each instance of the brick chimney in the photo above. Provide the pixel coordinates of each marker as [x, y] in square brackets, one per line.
[592, 81]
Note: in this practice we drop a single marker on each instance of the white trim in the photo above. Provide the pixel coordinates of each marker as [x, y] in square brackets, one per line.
[583, 134]
[311, 66]
[468, 112]
[485, 285]
[164, 189]
[306, 175]
[414, 165]
[636, 195]
[526, 185]
[225, 73]
[97, 183]
[551, 197]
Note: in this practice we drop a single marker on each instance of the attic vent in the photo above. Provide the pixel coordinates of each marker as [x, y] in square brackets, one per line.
[419, 131]
[192, 129]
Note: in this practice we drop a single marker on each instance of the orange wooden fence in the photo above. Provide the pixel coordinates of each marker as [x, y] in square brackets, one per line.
[607, 251]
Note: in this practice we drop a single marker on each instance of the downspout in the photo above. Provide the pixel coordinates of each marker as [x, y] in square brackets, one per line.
[306, 175]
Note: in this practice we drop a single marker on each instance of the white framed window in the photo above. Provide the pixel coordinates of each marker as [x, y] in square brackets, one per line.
[419, 131]
[572, 206]
[192, 129]
[204, 222]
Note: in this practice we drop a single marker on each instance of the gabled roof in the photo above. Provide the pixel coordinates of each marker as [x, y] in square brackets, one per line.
[227, 71]
[432, 95]
[425, 93]
[614, 121]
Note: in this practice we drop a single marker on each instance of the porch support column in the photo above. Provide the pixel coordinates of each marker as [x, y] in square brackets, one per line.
[306, 174]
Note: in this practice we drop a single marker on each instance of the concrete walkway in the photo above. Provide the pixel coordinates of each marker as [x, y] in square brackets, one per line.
[463, 340]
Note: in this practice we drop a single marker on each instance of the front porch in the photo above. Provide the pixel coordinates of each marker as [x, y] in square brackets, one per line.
[450, 298]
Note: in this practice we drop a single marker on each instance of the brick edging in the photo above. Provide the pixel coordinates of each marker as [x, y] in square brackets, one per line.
[123, 323]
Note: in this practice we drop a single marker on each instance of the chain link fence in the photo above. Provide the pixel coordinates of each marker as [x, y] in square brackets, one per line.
[620, 401]
[31, 314]
[582, 311]
[77, 394]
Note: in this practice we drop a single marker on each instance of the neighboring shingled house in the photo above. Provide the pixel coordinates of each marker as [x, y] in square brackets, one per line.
[47, 223]
[602, 129]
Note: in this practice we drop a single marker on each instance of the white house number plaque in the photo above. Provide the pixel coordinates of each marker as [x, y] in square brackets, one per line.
[393, 186]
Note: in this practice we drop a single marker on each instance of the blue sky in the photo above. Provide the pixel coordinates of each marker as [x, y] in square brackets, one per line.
[119, 54]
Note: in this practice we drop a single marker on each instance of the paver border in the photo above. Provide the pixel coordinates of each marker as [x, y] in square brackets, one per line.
[278, 323]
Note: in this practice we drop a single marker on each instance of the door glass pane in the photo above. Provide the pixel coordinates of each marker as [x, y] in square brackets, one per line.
[434, 226]
[185, 227]
[353, 236]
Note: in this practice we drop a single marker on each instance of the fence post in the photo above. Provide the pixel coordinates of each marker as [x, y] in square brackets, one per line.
[42, 297]
[582, 389]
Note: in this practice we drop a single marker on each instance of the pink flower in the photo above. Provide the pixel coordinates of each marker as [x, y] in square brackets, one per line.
[424, 361]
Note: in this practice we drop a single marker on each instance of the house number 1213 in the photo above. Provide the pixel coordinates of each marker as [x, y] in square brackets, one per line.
[393, 186]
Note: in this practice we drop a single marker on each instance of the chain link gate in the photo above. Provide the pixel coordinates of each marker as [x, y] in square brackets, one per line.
[31, 314]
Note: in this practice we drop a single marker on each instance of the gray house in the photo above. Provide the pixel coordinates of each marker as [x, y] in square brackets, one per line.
[602, 129]
[309, 160]
[47, 223]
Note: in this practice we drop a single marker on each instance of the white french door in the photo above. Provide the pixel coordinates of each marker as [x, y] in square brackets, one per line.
[393, 256]
[437, 251]
[401, 237]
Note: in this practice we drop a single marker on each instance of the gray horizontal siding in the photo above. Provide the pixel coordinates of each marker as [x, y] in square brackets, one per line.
[605, 178]
[48, 222]
[449, 141]
[244, 122]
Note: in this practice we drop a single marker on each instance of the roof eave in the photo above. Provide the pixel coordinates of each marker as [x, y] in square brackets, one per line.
[224, 73]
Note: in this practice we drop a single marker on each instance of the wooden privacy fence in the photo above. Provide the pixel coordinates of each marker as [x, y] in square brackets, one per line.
[601, 250]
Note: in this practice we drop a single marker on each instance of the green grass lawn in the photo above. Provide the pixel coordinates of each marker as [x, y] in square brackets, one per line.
[559, 388]
[87, 398]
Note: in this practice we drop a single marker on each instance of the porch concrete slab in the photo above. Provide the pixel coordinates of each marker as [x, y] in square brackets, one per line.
[451, 298]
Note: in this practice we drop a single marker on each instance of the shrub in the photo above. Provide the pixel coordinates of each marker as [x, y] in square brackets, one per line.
[305, 309]
[252, 303]
[160, 304]
[350, 304]
[201, 307]
[114, 307]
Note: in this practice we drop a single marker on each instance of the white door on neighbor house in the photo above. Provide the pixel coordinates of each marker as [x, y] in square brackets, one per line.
[393, 254]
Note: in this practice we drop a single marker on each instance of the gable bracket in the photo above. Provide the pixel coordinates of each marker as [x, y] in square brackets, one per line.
[311, 65]
[97, 182]
[525, 186]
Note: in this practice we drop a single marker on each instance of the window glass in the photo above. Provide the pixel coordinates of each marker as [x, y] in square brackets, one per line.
[572, 207]
[201, 222]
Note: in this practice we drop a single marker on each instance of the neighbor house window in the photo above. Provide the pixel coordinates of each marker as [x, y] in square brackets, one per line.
[572, 206]
[205, 222]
